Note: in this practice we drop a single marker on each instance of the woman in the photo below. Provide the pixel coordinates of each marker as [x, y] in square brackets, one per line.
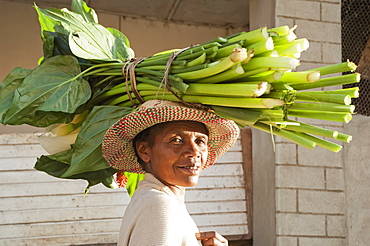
[171, 143]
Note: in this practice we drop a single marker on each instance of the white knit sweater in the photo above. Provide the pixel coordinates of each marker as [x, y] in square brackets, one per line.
[157, 217]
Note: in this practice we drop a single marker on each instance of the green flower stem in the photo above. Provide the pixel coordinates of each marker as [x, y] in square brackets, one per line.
[336, 68]
[320, 96]
[108, 78]
[292, 47]
[323, 107]
[315, 130]
[291, 136]
[226, 75]
[272, 77]
[300, 77]
[353, 92]
[270, 62]
[280, 30]
[261, 46]
[280, 86]
[255, 72]
[227, 50]
[194, 55]
[284, 39]
[344, 137]
[237, 56]
[145, 63]
[230, 90]
[331, 81]
[270, 113]
[187, 69]
[197, 61]
[271, 53]
[241, 116]
[234, 102]
[321, 142]
[330, 116]
[251, 37]
[220, 101]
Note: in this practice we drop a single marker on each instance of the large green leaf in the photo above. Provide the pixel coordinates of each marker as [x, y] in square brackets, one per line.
[58, 44]
[88, 40]
[7, 88]
[44, 119]
[56, 165]
[85, 11]
[121, 38]
[48, 24]
[87, 154]
[53, 86]
[48, 47]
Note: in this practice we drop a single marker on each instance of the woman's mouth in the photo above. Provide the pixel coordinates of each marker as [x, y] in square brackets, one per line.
[195, 167]
[191, 170]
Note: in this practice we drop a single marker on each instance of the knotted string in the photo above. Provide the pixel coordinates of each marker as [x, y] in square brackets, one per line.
[128, 70]
[167, 71]
[125, 74]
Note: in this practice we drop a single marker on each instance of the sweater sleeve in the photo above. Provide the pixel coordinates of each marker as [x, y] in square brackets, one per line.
[158, 223]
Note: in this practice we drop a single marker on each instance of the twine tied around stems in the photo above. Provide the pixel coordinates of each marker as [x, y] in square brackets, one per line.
[167, 71]
[168, 87]
[128, 71]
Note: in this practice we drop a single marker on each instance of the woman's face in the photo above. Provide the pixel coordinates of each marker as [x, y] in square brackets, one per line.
[177, 154]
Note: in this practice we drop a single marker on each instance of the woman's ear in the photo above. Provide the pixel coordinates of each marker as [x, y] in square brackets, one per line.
[143, 151]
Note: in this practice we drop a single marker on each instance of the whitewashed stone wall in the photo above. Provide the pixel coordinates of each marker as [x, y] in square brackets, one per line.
[310, 197]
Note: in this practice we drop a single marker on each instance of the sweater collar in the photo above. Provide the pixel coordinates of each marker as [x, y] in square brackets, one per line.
[157, 184]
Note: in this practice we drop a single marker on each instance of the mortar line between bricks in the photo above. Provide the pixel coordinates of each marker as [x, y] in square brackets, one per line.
[296, 154]
[326, 225]
[298, 165]
[323, 42]
[310, 236]
[297, 202]
[320, 64]
[321, 1]
[20, 144]
[307, 189]
[314, 20]
[325, 237]
[307, 213]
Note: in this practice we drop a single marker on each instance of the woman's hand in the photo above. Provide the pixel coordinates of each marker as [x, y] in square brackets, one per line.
[211, 238]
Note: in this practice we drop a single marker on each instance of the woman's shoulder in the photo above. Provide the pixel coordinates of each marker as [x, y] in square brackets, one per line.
[150, 196]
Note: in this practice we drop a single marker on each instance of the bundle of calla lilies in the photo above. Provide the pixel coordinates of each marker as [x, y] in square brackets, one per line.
[89, 77]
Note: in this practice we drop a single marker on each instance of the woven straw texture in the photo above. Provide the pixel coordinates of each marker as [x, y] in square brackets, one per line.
[117, 144]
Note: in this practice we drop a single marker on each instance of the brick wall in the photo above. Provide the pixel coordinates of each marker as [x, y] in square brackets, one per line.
[310, 198]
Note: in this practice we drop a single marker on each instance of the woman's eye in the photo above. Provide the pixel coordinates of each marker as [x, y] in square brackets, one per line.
[201, 141]
[176, 140]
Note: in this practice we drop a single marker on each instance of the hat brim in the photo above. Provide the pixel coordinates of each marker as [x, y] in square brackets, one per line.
[118, 147]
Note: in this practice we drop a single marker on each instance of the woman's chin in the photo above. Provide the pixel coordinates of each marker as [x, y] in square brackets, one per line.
[193, 181]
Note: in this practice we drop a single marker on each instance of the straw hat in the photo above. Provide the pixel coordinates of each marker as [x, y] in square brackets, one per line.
[117, 144]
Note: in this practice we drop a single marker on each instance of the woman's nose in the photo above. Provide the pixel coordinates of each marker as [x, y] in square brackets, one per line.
[192, 149]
